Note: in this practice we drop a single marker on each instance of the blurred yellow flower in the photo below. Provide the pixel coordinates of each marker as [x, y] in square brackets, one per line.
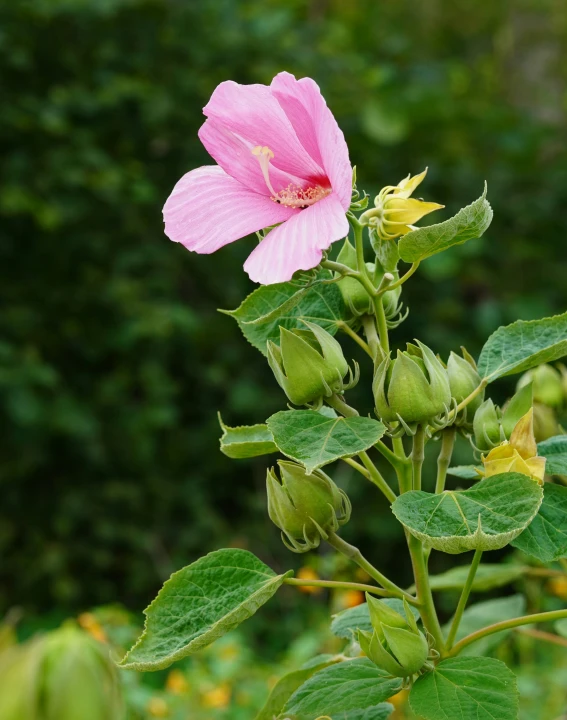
[89, 623]
[351, 598]
[518, 455]
[399, 699]
[308, 573]
[558, 587]
[176, 683]
[157, 707]
[219, 697]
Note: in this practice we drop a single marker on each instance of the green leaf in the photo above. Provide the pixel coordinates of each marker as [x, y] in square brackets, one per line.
[487, 516]
[467, 224]
[377, 712]
[554, 450]
[199, 604]
[288, 684]
[465, 472]
[347, 622]
[546, 537]
[523, 345]
[488, 577]
[288, 304]
[353, 685]
[315, 440]
[246, 441]
[485, 613]
[466, 688]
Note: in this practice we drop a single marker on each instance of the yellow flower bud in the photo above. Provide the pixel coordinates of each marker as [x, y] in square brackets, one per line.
[519, 454]
[395, 211]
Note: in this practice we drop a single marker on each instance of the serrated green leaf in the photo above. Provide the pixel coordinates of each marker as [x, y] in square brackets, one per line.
[488, 577]
[288, 684]
[523, 345]
[199, 604]
[378, 712]
[546, 537]
[485, 613]
[554, 450]
[466, 688]
[246, 441]
[347, 622]
[465, 472]
[467, 224]
[315, 440]
[353, 685]
[487, 516]
[288, 304]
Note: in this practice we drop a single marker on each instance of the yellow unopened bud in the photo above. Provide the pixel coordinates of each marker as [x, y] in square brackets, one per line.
[519, 454]
[395, 211]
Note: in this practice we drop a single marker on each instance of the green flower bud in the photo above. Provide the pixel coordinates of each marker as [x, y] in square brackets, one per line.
[545, 422]
[547, 385]
[65, 675]
[308, 365]
[487, 426]
[396, 645]
[414, 387]
[463, 380]
[354, 295]
[305, 507]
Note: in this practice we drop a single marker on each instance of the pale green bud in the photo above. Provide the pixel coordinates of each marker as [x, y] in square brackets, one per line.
[547, 385]
[487, 426]
[413, 387]
[308, 365]
[354, 295]
[545, 422]
[305, 507]
[396, 645]
[463, 380]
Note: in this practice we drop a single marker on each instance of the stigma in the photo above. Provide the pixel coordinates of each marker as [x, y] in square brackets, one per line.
[292, 196]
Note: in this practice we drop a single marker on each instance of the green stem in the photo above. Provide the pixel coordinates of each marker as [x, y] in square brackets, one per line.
[398, 445]
[382, 324]
[506, 625]
[418, 456]
[404, 277]
[371, 335]
[444, 459]
[338, 585]
[354, 554]
[463, 599]
[357, 339]
[377, 478]
[338, 404]
[357, 466]
[468, 399]
[420, 572]
[390, 456]
[545, 636]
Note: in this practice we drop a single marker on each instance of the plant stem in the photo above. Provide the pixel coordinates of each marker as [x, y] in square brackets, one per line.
[420, 572]
[338, 404]
[390, 456]
[354, 554]
[339, 585]
[463, 599]
[418, 456]
[506, 625]
[382, 324]
[371, 335]
[357, 466]
[404, 277]
[444, 459]
[468, 399]
[377, 478]
[357, 339]
[545, 636]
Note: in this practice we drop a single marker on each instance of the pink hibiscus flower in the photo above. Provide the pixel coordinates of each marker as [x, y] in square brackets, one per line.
[282, 160]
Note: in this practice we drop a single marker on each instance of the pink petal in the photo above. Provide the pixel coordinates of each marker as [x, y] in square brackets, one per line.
[208, 209]
[233, 154]
[298, 244]
[253, 113]
[316, 129]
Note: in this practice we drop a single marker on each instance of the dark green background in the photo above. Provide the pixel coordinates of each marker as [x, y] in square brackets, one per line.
[113, 359]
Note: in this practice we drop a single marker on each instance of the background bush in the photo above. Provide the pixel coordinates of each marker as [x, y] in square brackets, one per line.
[113, 359]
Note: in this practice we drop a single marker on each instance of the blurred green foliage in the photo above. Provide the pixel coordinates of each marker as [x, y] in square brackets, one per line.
[113, 359]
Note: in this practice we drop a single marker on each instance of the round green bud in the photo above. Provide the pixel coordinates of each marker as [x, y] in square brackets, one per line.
[355, 296]
[547, 385]
[396, 644]
[545, 422]
[487, 426]
[414, 387]
[308, 364]
[64, 675]
[305, 507]
[463, 380]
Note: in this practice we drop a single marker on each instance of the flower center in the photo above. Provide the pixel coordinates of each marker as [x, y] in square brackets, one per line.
[293, 195]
